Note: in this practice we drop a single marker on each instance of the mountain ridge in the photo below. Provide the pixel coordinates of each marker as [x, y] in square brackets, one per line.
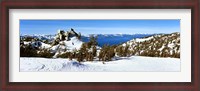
[159, 45]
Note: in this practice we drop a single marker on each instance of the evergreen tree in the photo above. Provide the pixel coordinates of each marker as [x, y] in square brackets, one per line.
[126, 51]
[94, 51]
[28, 51]
[93, 41]
[80, 56]
[100, 55]
[107, 53]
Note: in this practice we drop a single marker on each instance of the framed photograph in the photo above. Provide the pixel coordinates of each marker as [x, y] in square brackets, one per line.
[100, 45]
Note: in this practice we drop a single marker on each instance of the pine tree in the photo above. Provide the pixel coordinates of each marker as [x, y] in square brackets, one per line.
[79, 56]
[70, 56]
[94, 51]
[119, 51]
[100, 55]
[28, 51]
[91, 57]
[126, 51]
[93, 41]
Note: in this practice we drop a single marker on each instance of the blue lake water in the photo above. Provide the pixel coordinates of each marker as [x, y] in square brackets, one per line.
[115, 39]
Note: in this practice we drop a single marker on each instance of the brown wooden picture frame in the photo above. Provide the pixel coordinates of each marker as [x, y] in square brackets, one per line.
[100, 4]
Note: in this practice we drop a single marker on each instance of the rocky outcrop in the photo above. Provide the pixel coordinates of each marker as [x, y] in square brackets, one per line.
[62, 35]
[71, 33]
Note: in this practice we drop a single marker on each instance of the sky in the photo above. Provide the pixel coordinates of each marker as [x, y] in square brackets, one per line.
[86, 27]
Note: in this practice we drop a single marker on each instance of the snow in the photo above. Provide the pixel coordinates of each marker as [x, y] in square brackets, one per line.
[74, 43]
[171, 45]
[63, 46]
[137, 40]
[161, 48]
[122, 64]
[143, 39]
[55, 47]
[44, 46]
[26, 43]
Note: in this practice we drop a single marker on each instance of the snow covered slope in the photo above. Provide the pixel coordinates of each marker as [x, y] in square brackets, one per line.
[70, 45]
[126, 64]
[159, 45]
[38, 44]
[61, 47]
[67, 46]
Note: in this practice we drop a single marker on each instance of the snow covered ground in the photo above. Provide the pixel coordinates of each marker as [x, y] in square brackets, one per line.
[128, 64]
